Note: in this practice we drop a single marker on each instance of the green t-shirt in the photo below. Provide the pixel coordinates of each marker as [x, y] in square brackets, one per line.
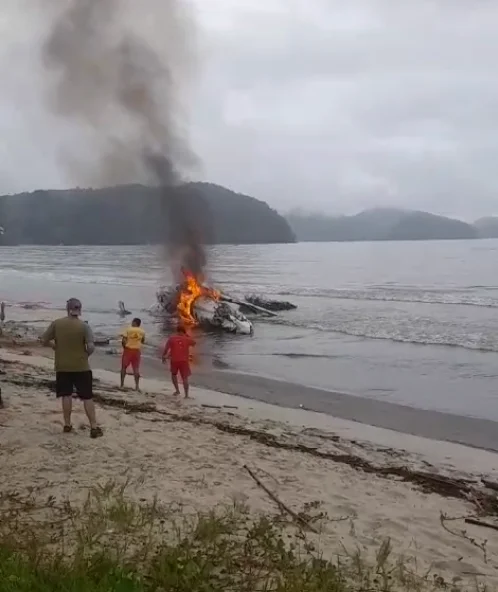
[73, 343]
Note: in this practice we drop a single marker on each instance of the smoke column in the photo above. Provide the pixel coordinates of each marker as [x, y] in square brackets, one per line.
[116, 68]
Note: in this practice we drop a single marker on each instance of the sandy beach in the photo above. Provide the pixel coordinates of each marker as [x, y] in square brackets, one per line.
[475, 432]
[371, 483]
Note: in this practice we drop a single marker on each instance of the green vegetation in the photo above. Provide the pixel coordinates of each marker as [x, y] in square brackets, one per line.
[114, 545]
[134, 214]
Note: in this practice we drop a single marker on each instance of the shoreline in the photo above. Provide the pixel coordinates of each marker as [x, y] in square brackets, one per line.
[429, 424]
[453, 457]
[371, 482]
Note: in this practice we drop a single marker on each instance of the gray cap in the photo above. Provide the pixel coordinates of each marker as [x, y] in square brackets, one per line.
[73, 304]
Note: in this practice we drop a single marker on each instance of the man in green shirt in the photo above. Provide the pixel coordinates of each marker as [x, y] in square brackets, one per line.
[72, 341]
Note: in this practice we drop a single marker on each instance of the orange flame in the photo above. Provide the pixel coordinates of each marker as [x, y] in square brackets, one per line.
[192, 289]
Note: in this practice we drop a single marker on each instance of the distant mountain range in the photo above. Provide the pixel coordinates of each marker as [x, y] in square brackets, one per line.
[384, 224]
[134, 214]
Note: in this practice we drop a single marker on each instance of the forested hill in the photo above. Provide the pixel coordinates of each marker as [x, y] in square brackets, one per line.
[380, 224]
[134, 214]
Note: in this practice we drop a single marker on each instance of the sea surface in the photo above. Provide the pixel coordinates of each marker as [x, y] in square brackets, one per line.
[414, 323]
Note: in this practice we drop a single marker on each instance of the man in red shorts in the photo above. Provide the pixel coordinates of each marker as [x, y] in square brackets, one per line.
[133, 339]
[177, 348]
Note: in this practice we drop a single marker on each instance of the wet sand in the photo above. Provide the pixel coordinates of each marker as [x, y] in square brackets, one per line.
[430, 424]
[435, 425]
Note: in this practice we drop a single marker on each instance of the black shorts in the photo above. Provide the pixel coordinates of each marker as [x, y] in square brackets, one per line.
[81, 383]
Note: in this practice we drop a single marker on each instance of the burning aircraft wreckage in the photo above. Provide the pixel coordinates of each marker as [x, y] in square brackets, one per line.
[198, 305]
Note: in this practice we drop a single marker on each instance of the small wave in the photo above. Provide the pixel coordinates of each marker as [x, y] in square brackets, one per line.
[220, 364]
[425, 342]
[293, 355]
[28, 305]
[413, 340]
[49, 306]
[109, 279]
[430, 297]
[107, 311]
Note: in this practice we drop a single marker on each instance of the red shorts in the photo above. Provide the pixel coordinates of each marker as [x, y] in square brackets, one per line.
[180, 367]
[131, 357]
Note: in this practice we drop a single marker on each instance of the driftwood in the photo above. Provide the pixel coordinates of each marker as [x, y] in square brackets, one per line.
[122, 309]
[462, 534]
[476, 522]
[299, 519]
[209, 406]
[463, 489]
[490, 484]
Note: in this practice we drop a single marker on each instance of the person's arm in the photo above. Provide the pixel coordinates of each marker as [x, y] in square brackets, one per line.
[167, 349]
[89, 340]
[124, 338]
[191, 342]
[48, 337]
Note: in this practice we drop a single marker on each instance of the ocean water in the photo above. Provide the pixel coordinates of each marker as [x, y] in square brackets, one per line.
[413, 323]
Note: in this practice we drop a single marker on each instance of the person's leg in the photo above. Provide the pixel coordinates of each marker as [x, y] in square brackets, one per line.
[89, 406]
[84, 388]
[64, 392]
[67, 408]
[174, 376]
[174, 380]
[124, 366]
[136, 370]
[185, 373]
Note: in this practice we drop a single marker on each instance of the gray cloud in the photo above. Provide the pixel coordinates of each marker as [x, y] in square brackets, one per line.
[315, 103]
[341, 108]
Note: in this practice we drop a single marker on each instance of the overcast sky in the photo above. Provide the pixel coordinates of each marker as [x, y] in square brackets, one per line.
[323, 104]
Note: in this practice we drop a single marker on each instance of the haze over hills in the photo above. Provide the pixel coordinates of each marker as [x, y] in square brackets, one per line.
[133, 214]
[380, 224]
[487, 227]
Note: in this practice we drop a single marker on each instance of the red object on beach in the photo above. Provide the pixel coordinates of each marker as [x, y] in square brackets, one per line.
[179, 348]
[131, 357]
[182, 368]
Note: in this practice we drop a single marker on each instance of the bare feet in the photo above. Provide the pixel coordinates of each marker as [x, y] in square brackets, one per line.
[176, 393]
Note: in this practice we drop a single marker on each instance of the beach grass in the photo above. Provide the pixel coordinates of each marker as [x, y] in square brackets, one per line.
[109, 543]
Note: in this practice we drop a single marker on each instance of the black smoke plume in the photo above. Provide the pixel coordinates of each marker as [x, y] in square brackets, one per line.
[117, 68]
